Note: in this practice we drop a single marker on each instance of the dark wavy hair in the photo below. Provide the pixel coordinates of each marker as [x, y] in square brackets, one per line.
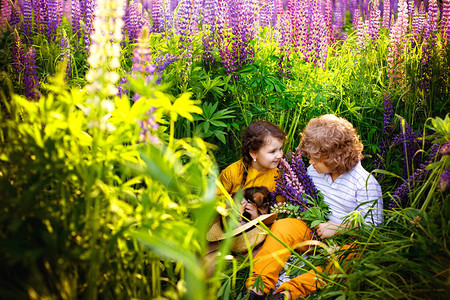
[333, 140]
[253, 138]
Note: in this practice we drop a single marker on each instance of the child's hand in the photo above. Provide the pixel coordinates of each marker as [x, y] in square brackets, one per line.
[327, 229]
[250, 209]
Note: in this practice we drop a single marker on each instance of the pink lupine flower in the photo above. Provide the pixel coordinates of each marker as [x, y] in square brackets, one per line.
[386, 14]
[397, 44]
[445, 20]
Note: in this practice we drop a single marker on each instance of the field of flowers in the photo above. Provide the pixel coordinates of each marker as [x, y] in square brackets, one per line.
[117, 116]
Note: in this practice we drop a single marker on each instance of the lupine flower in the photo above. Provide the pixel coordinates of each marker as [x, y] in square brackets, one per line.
[444, 181]
[400, 195]
[397, 44]
[187, 14]
[88, 9]
[27, 19]
[104, 60]
[223, 36]
[5, 13]
[14, 20]
[40, 15]
[388, 126]
[445, 20]
[386, 13]
[30, 79]
[76, 17]
[242, 28]
[318, 33]
[209, 29]
[409, 139]
[285, 41]
[157, 16]
[374, 20]
[162, 62]
[300, 27]
[417, 25]
[53, 18]
[121, 90]
[445, 149]
[265, 13]
[293, 183]
[328, 17]
[134, 21]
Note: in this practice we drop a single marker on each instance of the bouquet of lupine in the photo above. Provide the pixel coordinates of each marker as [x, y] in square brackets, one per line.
[301, 198]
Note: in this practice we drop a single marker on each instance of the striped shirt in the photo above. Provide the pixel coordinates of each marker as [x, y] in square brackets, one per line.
[355, 190]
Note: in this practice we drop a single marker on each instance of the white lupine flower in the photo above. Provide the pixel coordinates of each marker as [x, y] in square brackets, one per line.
[104, 60]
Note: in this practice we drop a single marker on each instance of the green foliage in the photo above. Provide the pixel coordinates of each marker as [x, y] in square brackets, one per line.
[96, 214]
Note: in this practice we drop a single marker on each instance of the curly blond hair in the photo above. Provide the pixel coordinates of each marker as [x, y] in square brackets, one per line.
[334, 141]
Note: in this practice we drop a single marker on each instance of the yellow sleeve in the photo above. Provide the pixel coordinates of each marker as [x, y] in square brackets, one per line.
[231, 177]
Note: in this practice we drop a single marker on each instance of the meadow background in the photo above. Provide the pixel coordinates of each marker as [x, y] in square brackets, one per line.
[117, 116]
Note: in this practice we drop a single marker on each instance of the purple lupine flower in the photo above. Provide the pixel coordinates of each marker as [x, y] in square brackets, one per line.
[40, 15]
[338, 16]
[88, 9]
[187, 14]
[285, 41]
[76, 16]
[30, 79]
[410, 142]
[265, 13]
[445, 20]
[293, 182]
[318, 33]
[66, 52]
[134, 22]
[27, 20]
[431, 23]
[444, 181]
[417, 25]
[120, 87]
[162, 62]
[388, 127]
[5, 13]
[386, 14]
[300, 16]
[445, 149]
[209, 30]
[374, 21]
[14, 20]
[400, 195]
[328, 17]
[223, 40]
[53, 18]
[157, 16]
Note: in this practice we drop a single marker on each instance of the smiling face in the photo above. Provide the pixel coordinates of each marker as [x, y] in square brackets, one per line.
[269, 155]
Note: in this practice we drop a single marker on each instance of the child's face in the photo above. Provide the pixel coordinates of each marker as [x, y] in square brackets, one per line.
[269, 155]
[320, 167]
